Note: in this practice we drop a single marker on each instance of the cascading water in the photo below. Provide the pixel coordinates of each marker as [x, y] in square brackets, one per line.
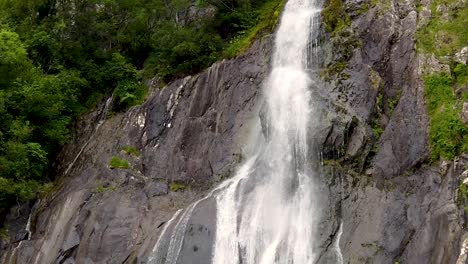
[268, 213]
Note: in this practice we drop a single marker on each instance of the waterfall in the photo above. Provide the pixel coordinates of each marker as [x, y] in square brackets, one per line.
[268, 212]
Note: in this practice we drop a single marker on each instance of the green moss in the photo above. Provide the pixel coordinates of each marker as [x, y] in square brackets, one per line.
[461, 75]
[335, 17]
[375, 121]
[131, 151]
[344, 41]
[392, 102]
[383, 6]
[364, 8]
[444, 37]
[118, 163]
[462, 194]
[101, 188]
[378, 131]
[175, 187]
[4, 234]
[378, 109]
[335, 68]
[448, 136]
[268, 18]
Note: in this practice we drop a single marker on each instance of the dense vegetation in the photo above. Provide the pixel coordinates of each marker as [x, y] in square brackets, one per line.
[444, 36]
[448, 135]
[59, 57]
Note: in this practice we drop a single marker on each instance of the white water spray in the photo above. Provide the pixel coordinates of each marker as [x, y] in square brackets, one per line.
[268, 213]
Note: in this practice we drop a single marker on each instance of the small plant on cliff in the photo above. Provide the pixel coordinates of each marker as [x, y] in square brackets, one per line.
[101, 188]
[131, 151]
[4, 234]
[118, 163]
[462, 194]
[337, 22]
[177, 187]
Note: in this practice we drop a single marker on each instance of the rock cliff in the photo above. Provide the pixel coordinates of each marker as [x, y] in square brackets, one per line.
[385, 203]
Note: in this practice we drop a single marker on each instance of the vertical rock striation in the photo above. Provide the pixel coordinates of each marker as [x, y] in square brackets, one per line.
[383, 201]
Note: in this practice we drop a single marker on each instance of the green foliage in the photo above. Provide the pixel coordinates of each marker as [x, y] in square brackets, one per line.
[383, 6]
[118, 163]
[335, 17]
[377, 115]
[462, 194]
[461, 74]
[175, 187]
[4, 234]
[102, 188]
[182, 50]
[335, 68]
[264, 21]
[444, 36]
[129, 93]
[13, 57]
[337, 22]
[56, 64]
[448, 135]
[35, 110]
[131, 151]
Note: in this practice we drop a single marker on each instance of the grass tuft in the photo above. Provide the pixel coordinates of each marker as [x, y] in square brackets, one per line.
[118, 163]
[175, 187]
[131, 151]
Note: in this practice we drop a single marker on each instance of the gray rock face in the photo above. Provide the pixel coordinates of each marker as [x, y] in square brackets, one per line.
[393, 206]
[401, 209]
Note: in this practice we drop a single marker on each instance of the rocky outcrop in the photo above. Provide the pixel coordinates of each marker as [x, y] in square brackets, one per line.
[393, 206]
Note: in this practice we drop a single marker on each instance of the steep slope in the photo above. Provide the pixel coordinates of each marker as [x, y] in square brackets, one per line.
[384, 201]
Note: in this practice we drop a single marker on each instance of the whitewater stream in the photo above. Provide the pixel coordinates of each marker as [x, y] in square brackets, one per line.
[268, 213]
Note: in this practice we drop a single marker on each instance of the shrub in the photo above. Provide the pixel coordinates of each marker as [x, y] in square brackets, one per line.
[129, 93]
